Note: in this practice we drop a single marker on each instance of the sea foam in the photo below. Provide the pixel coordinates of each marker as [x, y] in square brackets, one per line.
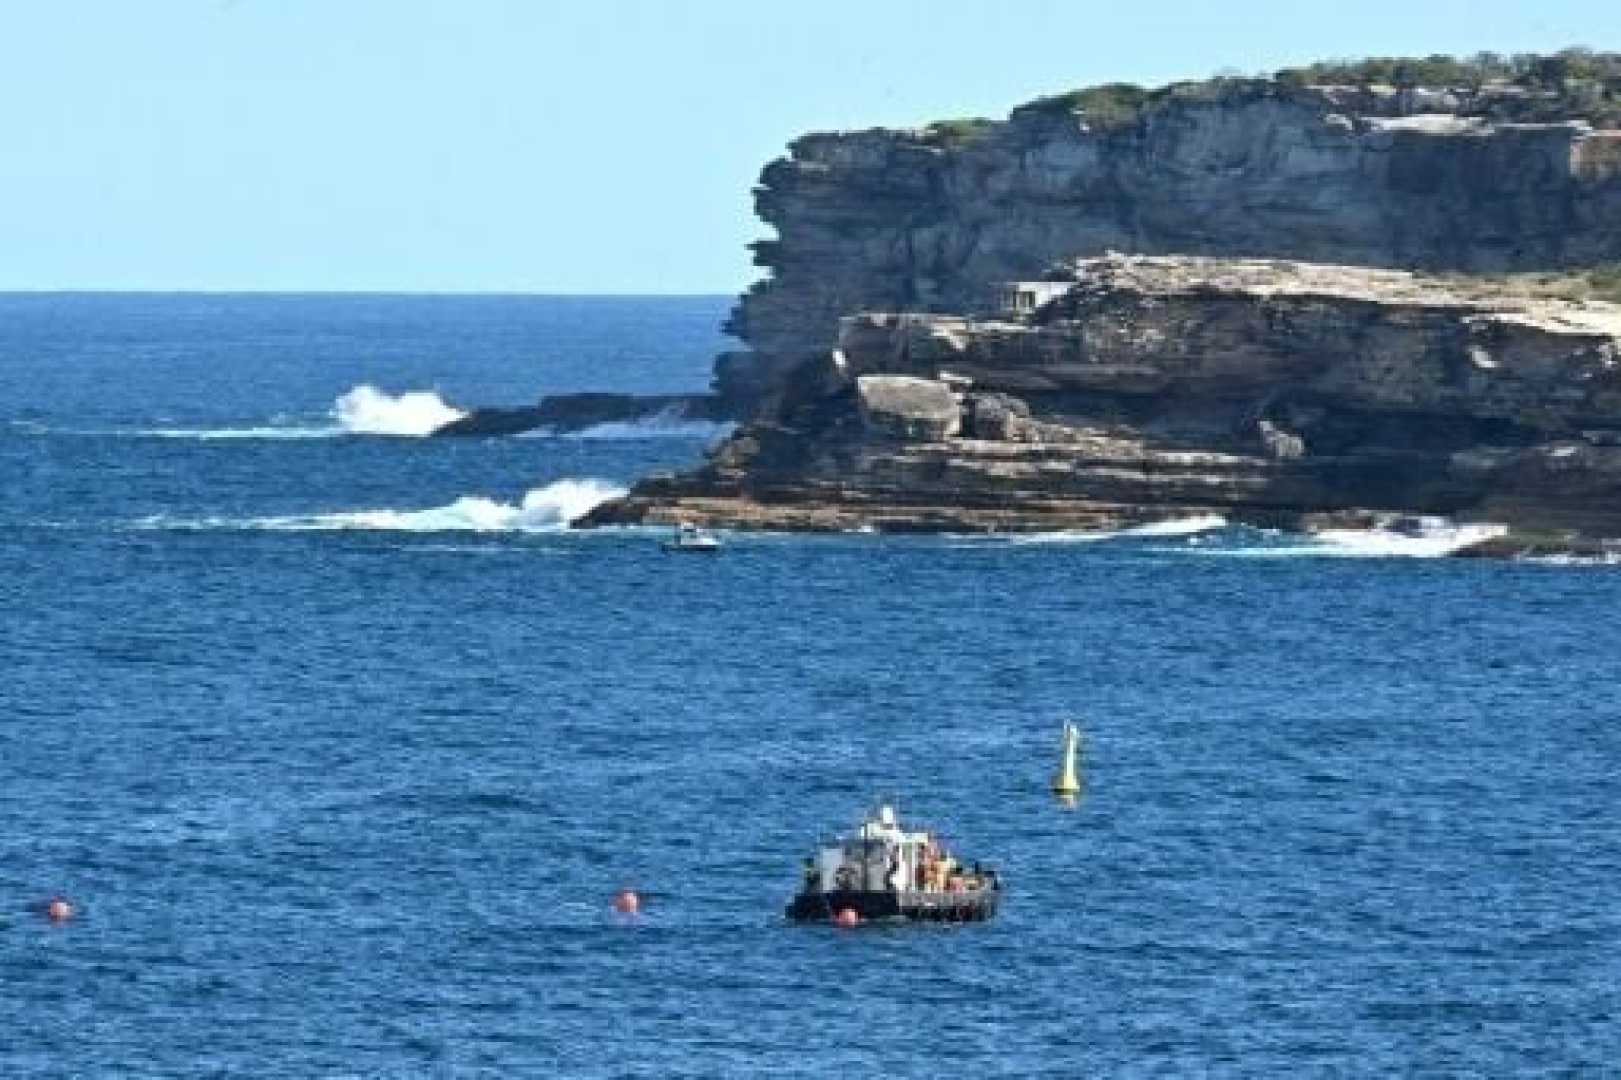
[268, 431]
[1430, 538]
[1188, 526]
[665, 424]
[545, 509]
[1434, 541]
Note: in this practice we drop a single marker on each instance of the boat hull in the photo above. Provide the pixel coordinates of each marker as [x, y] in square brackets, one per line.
[974, 906]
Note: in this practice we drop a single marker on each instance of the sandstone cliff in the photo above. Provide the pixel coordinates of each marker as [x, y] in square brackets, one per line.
[1274, 392]
[1498, 177]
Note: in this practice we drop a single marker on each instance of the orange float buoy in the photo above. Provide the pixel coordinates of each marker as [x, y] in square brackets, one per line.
[626, 902]
[58, 909]
[847, 917]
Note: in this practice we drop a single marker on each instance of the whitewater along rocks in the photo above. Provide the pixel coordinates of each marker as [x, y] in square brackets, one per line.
[1146, 388]
[1490, 178]
[561, 413]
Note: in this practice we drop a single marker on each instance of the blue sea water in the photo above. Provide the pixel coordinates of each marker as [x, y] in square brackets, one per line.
[342, 745]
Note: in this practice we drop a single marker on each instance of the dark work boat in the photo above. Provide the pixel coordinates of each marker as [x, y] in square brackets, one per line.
[883, 872]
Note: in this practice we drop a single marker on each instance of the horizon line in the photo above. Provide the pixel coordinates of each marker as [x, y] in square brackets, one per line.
[365, 292]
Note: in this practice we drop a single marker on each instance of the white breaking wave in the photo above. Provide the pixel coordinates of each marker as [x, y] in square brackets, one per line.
[362, 410]
[1432, 538]
[1189, 526]
[1429, 538]
[546, 509]
[366, 410]
[665, 424]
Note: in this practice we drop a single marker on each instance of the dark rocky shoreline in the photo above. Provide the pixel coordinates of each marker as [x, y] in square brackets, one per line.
[564, 413]
[1533, 545]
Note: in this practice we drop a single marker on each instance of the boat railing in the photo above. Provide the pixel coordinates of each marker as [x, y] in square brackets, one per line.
[932, 897]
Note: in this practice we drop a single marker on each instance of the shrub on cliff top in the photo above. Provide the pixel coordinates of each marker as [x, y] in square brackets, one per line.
[1606, 282]
[956, 132]
[1592, 283]
[1107, 107]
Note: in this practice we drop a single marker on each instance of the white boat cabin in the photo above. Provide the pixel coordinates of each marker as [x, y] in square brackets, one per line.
[882, 857]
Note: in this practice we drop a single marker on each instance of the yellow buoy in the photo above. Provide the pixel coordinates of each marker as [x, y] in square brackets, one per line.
[1066, 782]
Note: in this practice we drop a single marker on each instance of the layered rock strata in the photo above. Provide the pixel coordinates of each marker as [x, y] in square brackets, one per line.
[1273, 392]
[927, 220]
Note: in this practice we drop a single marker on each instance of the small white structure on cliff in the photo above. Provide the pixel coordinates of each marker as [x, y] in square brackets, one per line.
[1024, 297]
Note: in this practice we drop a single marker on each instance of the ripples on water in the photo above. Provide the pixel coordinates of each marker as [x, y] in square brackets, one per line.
[353, 801]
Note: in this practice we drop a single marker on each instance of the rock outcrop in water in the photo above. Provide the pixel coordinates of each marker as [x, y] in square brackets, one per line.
[561, 413]
[1491, 178]
[1273, 392]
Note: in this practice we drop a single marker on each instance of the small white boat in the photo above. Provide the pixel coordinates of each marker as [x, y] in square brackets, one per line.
[689, 537]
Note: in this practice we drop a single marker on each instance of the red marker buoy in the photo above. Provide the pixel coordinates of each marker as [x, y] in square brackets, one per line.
[626, 902]
[847, 917]
[58, 910]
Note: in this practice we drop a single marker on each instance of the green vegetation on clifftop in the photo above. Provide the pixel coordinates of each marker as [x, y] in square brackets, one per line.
[1572, 84]
[963, 130]
[1594, 283]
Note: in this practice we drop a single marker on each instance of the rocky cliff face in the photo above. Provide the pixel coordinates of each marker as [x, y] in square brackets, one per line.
[1274, 392]
[928, 220]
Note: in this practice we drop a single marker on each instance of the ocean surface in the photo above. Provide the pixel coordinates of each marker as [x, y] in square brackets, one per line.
[342, 745]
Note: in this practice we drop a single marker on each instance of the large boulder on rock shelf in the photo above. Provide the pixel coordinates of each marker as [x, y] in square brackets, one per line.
[904, 407]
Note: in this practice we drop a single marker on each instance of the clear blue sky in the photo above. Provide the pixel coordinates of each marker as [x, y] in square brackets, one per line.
[538, 146]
